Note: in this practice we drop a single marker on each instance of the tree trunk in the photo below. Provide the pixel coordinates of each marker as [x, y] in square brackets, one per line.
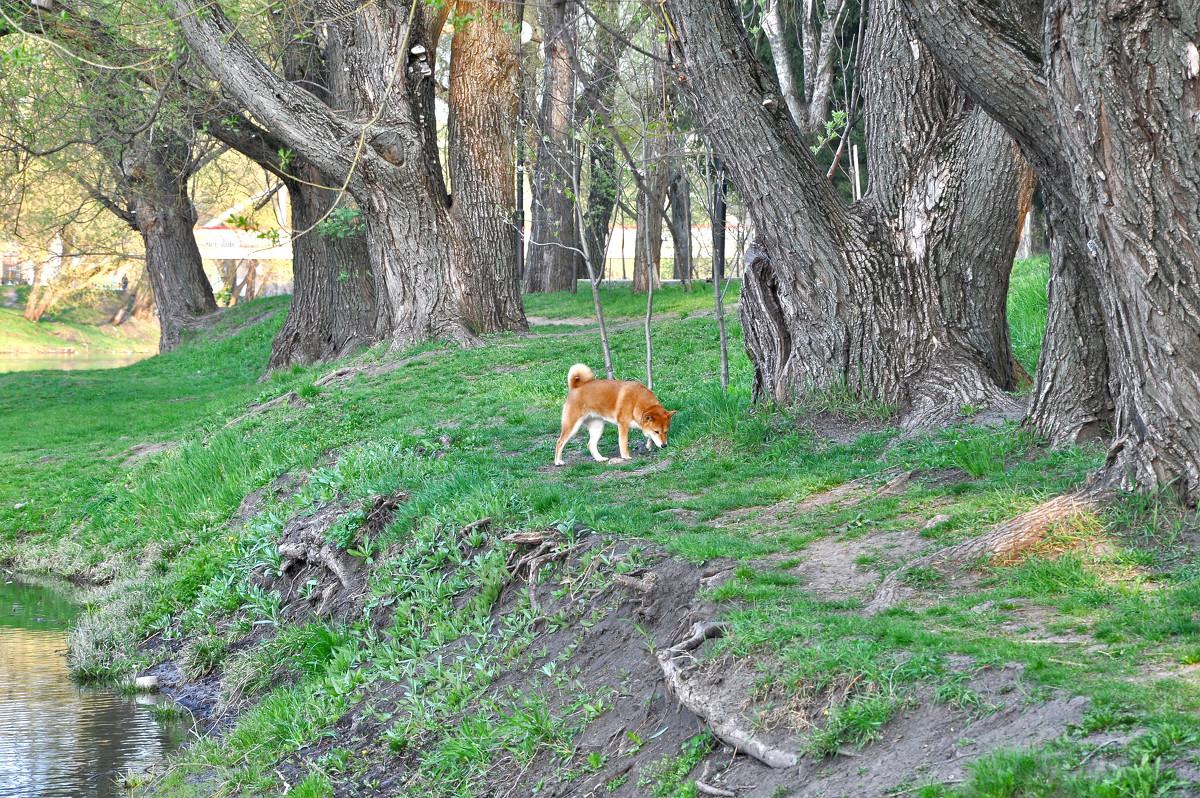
[819, 39]
[155, 176]
[1072, 401]
[604, 178]
[656, 175]
[1101, 97]
[139, 303]
[333, 291]
[551, 261]
[428, 282]
[604, 181]
[333, 310]
[680, 224]
[483, 109]
[899, 299]
[34, 306]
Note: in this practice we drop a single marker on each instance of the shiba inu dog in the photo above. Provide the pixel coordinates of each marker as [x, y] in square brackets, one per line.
[592, 402]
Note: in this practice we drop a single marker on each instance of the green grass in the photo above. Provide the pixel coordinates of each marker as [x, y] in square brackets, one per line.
[1027, 308]
[468, 434]
[17, 334]
[620, 303]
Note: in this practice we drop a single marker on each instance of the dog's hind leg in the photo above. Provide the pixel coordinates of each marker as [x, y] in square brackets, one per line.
[595, 429]
[567, 434]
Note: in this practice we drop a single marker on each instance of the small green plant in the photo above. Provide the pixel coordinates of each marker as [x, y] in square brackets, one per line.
[342, 222]
[667, 777]
[202, 655]
[855, 723]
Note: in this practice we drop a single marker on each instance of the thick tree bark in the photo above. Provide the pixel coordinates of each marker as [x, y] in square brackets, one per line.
[154, 177]
[332, 313]
[552, 251]
[1102, 99]
[333, 307]
[899, 298]
[1072, 401]
[429, 283]
[483, 109]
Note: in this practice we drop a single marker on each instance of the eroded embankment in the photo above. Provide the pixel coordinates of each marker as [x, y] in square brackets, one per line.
[492, 661]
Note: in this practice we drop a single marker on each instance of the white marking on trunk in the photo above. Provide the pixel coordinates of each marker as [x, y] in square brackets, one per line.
[916, 48]
[1192, 59]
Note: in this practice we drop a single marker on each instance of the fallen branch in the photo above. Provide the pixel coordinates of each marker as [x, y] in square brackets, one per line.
[1007, 540]
[708, 789]
[726, 727]
[482, 522]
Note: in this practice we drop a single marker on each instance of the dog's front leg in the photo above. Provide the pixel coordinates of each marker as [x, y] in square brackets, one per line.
[623, 435]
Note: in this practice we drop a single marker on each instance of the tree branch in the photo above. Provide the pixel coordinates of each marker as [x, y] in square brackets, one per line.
[298, 118]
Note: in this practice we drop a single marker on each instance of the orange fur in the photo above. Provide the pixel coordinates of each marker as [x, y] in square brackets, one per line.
[592, 403]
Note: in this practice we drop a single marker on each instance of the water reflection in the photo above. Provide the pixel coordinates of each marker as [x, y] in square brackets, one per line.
[41, 362]
[56, 738]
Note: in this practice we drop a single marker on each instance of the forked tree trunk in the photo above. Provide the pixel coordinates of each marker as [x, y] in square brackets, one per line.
[1102, 98]
[431, 281]
[819, 24]
[552, 239]
[901, 298]
[332, 311]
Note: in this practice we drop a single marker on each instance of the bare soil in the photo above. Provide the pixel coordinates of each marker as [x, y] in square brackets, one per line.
[612, 631]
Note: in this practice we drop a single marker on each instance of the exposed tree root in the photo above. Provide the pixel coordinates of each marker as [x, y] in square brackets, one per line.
[1005, 542]
[948, 385]
[725, 724]
[550, 548]
[644, 585]
[291, 399]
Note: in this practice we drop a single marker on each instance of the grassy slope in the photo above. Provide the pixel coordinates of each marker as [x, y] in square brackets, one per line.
[19, 335]
[158, 527]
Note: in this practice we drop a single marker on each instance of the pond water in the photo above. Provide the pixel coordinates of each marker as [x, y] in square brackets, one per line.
[10, 361]
[57, 739]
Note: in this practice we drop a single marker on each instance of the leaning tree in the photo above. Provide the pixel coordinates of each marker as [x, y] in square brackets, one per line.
[444, 263]
[333, 310]
[899, 297]
[1103, 98]
[149, 152]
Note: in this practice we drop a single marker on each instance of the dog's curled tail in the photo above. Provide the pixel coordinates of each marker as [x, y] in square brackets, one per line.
[578, 375]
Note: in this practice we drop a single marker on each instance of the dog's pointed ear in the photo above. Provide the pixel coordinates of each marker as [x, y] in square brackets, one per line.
[671, 413]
